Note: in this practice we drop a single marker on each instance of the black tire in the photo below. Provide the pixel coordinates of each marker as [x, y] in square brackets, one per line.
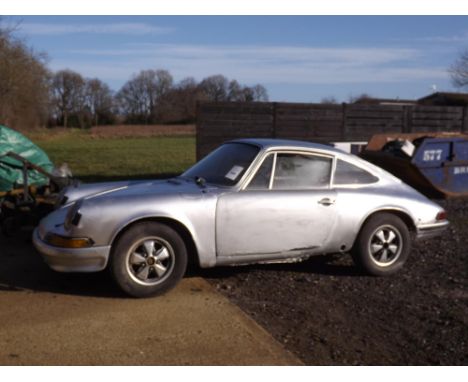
[389, 233]
[137, 266]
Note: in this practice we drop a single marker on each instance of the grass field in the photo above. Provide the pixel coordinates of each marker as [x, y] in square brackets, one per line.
[94, 158]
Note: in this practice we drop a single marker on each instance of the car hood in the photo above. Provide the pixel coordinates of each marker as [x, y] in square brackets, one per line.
[132, 188]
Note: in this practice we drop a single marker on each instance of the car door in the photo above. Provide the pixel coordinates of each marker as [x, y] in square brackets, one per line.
[286, 207]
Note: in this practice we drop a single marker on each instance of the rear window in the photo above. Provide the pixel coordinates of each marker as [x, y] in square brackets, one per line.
[347, 173]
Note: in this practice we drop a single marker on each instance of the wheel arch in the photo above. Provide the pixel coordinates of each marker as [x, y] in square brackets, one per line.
[180, 228]
[402, 214]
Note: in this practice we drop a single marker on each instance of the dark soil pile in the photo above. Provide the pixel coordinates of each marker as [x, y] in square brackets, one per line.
[328, 313]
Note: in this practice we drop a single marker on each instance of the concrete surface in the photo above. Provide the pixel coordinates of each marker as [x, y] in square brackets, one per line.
[47, 318]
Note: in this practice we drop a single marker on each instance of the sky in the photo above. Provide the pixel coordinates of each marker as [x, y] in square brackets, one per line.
[297, 58]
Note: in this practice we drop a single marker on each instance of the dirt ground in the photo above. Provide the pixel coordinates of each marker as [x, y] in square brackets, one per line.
[327, 313]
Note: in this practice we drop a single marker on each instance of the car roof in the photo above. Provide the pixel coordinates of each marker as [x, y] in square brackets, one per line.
[270, 143]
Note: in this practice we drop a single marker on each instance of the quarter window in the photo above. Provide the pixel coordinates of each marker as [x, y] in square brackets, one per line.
[347, 173]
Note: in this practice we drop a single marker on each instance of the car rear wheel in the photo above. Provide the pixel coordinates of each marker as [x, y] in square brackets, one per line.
[148, 259]
[383, 245]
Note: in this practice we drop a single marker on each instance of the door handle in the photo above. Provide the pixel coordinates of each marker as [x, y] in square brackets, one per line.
[326, 202]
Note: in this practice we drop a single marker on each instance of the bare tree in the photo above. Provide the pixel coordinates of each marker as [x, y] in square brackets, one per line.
[260, 94]
[23, 83]
[132, 102]
[239, 93]
[179, 105]
[140, 96]
[459, 71]
[68, 97]
[362, 98]
[215, 88]
[99, 101]
[188, 94]
[329, 101]
[247, 94]
[235, 91]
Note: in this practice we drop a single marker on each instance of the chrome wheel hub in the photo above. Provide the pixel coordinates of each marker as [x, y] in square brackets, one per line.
[150, 260]
[385, 245]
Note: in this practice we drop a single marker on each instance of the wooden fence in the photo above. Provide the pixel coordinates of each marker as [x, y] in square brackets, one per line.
[219, 122]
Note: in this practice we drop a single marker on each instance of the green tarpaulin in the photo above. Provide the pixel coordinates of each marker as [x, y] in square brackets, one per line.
[11, 175]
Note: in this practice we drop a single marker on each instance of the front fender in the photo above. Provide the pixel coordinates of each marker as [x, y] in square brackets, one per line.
[157, 215]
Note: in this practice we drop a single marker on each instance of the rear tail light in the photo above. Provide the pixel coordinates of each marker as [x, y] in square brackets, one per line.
[442, 215]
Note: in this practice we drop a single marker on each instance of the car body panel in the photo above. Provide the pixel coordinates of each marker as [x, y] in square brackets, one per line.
[92, 259]
[267, 222]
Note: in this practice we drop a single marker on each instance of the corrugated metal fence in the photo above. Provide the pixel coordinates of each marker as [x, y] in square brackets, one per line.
[219, 122]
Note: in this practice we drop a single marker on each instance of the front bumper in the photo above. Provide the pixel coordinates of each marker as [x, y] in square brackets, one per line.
[92, 259]
[427, 231]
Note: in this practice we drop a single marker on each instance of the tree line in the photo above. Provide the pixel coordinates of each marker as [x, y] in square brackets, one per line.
[31, 95]
[149, 97]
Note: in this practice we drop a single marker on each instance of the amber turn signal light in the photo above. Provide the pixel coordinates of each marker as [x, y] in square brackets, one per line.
[68, 242]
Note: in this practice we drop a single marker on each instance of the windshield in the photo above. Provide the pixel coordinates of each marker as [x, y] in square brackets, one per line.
[226, 165]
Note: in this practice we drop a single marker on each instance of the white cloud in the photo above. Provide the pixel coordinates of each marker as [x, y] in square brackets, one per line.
[261, 53]
[115, 28]
[253, 64]
[458, 38]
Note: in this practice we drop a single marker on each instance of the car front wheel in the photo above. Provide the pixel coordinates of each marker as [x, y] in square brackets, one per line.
[148, 259]
[383, 245]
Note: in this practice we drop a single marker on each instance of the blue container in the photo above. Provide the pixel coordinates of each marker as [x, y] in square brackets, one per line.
[438, 167]
[444, 162]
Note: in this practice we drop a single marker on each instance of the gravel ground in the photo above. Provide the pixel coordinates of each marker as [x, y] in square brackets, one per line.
[327, 313]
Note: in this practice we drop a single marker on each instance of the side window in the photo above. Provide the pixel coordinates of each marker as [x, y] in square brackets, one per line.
[347, 173]
[261, 180]
[299, 171]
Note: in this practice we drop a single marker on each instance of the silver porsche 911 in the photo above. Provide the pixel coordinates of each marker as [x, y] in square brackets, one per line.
[249, 201]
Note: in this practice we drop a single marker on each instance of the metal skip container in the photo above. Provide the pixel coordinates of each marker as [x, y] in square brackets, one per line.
[436, 164]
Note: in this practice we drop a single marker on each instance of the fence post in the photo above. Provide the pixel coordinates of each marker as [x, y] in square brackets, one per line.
[273, 127]
[343, 124]
[464, 126]
[407, 116]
